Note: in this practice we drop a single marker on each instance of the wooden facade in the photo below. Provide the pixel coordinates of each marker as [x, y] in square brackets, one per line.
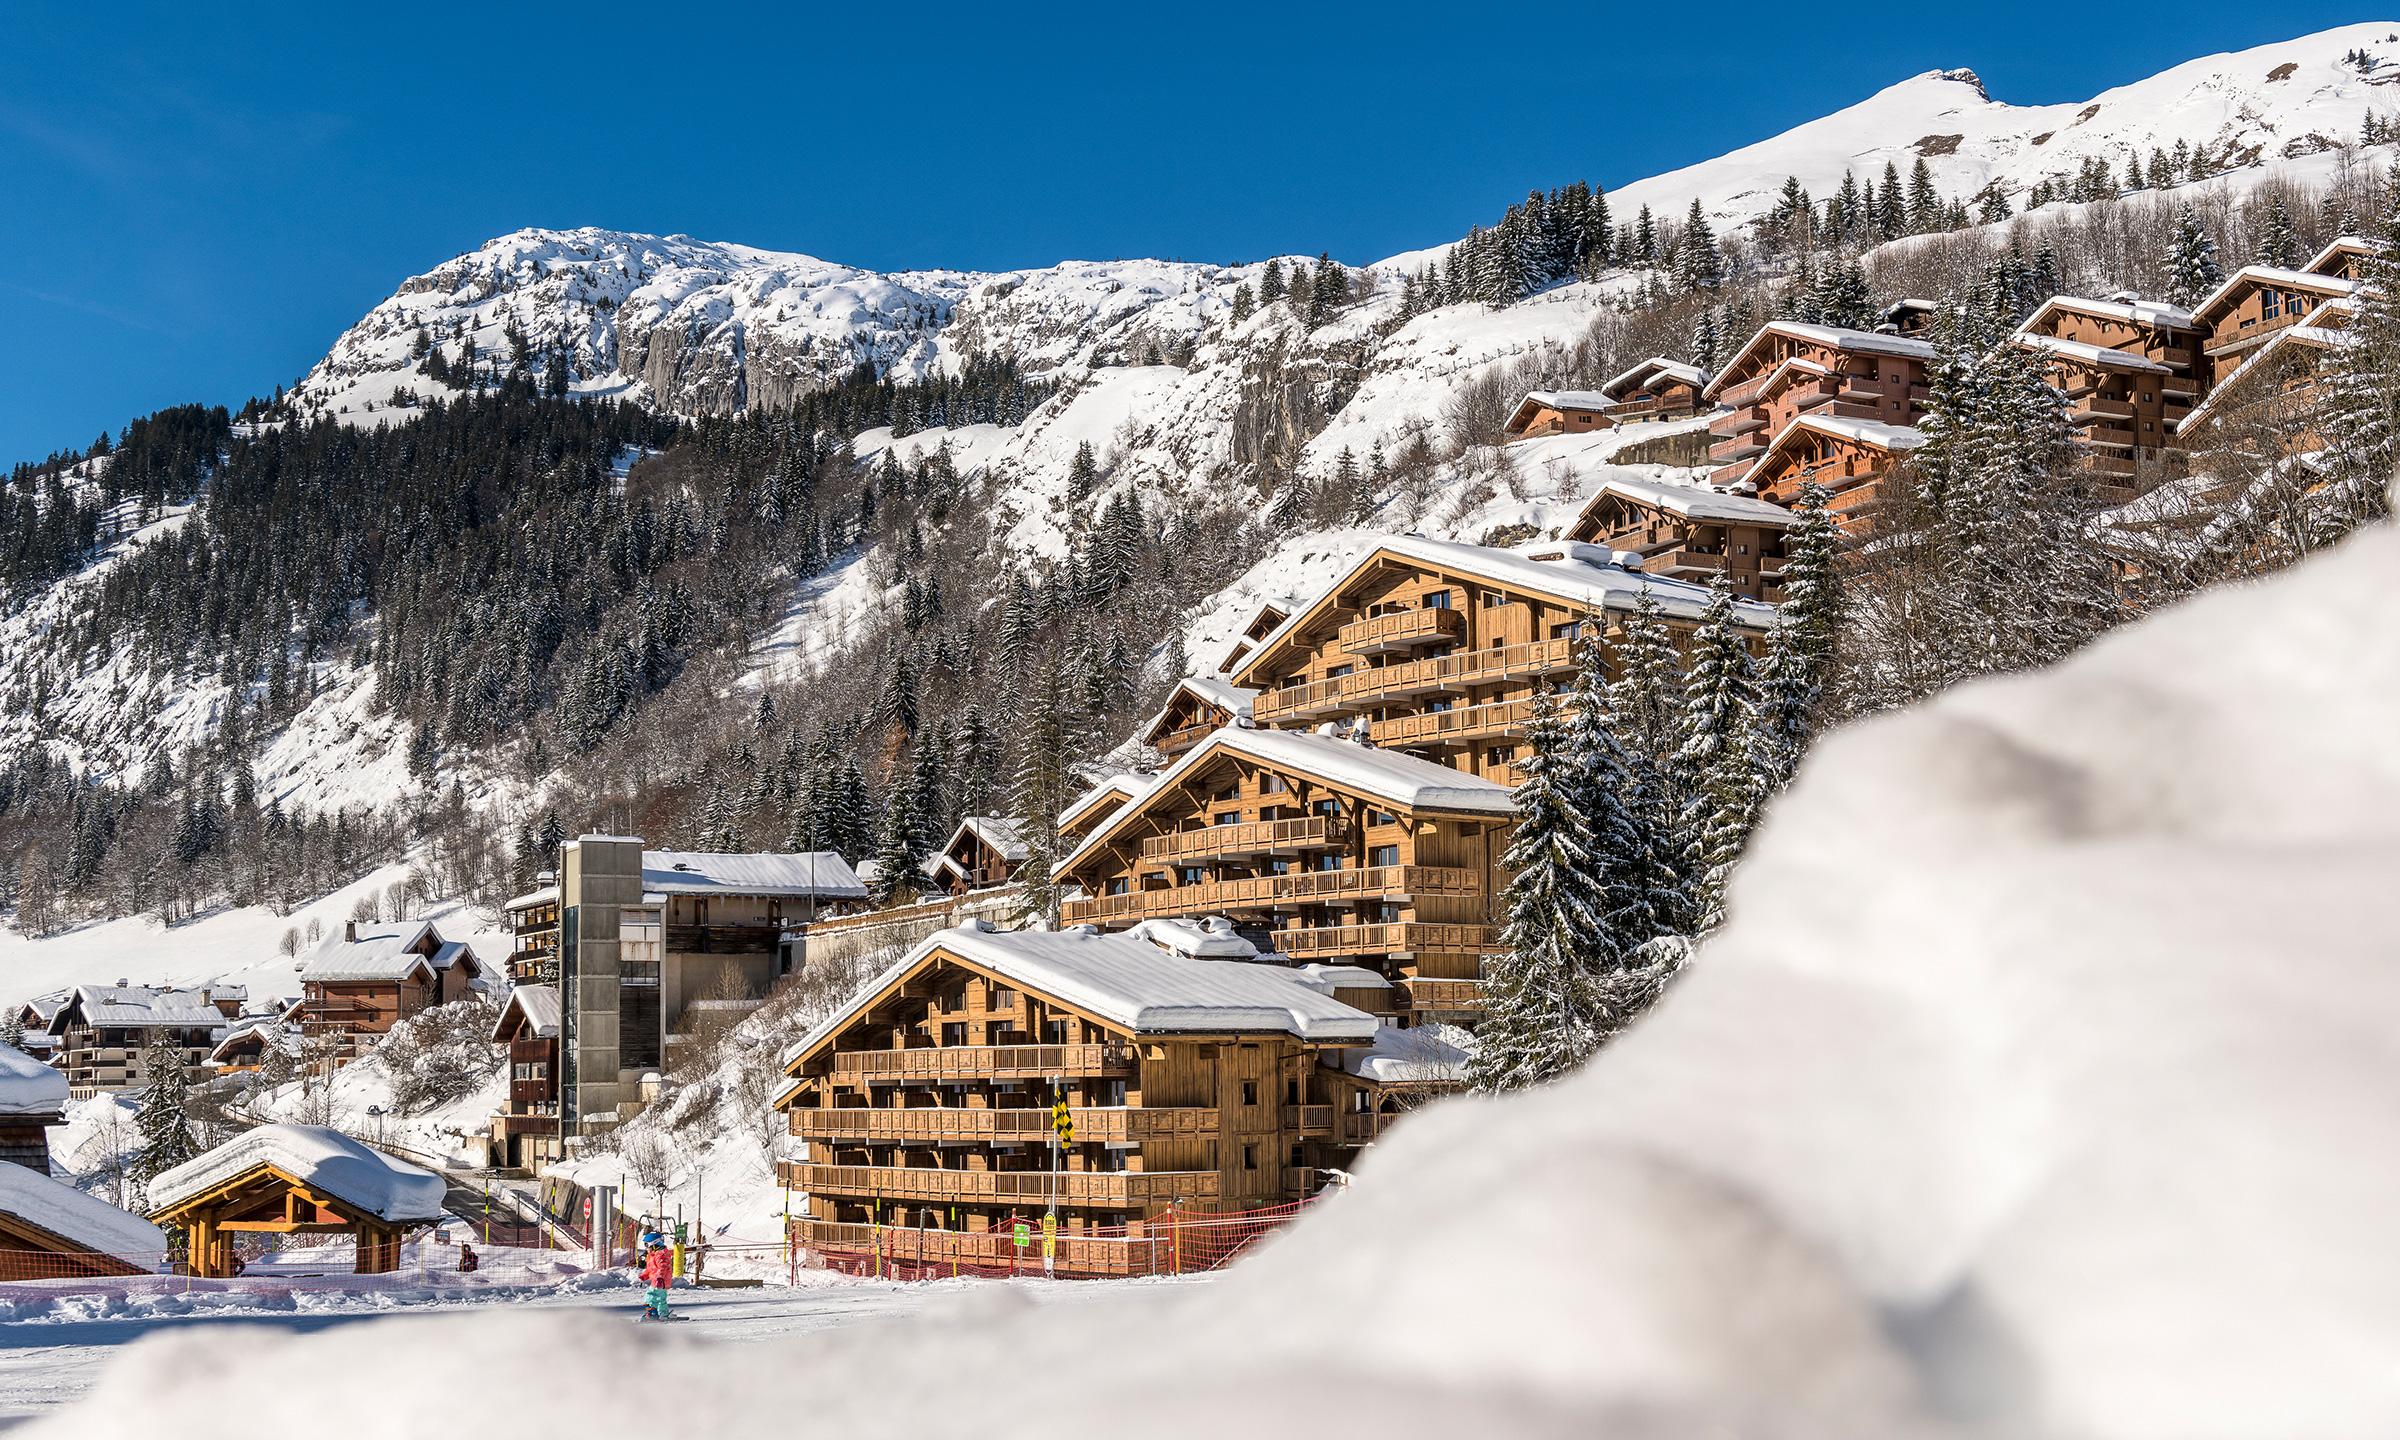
[2266, 332]
[1197, 705]
[1656, 389]
[2258, 301]
[1559, 412]
[981, 854]
[2125, 407]
[526, 1135]
[101, 1035]
[265, 1199]
[1295, 839]
[1850, 458]
[1690, 532]
[926, 1111]
[355, 989]
[1790, 370]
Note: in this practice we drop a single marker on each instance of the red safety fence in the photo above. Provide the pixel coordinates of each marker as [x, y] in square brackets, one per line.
[1177, 1242]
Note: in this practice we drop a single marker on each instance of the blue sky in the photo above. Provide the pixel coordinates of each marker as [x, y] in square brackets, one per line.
[194, 200]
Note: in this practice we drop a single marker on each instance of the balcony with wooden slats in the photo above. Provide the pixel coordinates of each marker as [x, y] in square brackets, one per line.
[1399, 937]
[1403, 630]
[1365, 689]
[977, 1062]
[934, 1124]
[1248, 837]
[1464, 725]
[1430, 993]
[1270, 892]
[1112, 1188]
[1150, 1253]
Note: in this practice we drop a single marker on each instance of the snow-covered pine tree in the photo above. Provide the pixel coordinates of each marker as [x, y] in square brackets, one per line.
[2278, 242]
[1645, 706]
[1716, 762]
[1538, 989]
[896, 852]
[165, 1128]
[1645, 238]
[1699, 262]
[2192, 268]
[12, 1027]
[1039, 791]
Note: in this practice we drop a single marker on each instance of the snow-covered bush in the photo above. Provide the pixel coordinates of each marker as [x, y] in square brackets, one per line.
[439, 1055]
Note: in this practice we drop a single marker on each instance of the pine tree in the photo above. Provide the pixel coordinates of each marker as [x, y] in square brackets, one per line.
[1699, 263]
[12, 1027]
[1645, 705]
[896, 851]
[1716, 760]
[1039, 792]
[1645, 238]
[161, 1120]
[2192, 269]
[2278, 245]
[1924, 203]
[1083, 475]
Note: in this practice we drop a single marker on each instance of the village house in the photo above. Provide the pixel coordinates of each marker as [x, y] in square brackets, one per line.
[33, 1098]
[1558, 412]
[245, 1046]
[1262, 622]
[1197, 705]
[1911, 317]
[49, 1230]
[357, 984]
[1655, 389]
[1319, 849]
[101, 1034]
[1439, 647]
[644, 936]
[1689, 532]
[981, 854]
[526, 1136]
[2268, 333]
[1816, 401]
[33, 1023]
[1192, 1077]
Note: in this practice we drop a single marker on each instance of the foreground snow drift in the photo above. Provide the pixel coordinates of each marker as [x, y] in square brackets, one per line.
[2042, 1084]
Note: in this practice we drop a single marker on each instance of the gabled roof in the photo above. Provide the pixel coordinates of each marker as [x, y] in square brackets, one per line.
[325, 1161]
[1874, 434]
[1401, 781]
[2156, 314]
[1115, 790]
[269, 1032]
[1209, 690]
[1585, 577]
[2084, 353]
[1122, 981]
[139, 1007]
[1832, 336]
[1566, 399]
[387, 953]
[2311, 337]
[1692, 502]
[2242, 281]
[536, 1007]
[2342, 245]
[819, 874]
[27, 1086]
[1005, 836]
[1656, 367]
[76, 1221]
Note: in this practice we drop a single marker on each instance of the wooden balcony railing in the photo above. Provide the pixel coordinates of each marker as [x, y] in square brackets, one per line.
[979, 1062]
[1402, 937]
[1300, 887]
[2095, 405]
[1152, 1252]
[1361, 1127]
[1428, 993]
[1103, 1124]
[1448, 727]
[1249, 837]
[1403, 630]
[1309, 1119]
[1114, 1188]
[1364, 689]
[723, 939]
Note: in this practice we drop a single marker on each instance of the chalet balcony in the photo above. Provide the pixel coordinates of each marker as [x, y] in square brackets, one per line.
[1365, 689]
[1113, 1188]
[1739, 447]
[1276, 892]
[1747, 392]
[1249, 837]
[1649, 407]
[1427, 993]
[2179, 356]
[1461, 726]
[1363, 1127]
[1153, 1252]
[2092, 407]
[1184, 737]
[1308, 1119]
[1741, 422]
[922, 1064]
[523, 1124]
[1403, 630]
[942, 1124]
[723, 939]
[2113, 436]
[1399, 937]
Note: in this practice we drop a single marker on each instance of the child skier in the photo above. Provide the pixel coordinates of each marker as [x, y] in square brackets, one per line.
[658, 1271]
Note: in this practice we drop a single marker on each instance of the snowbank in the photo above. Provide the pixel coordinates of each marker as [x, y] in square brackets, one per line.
[326, 1161]
[2041, 1084]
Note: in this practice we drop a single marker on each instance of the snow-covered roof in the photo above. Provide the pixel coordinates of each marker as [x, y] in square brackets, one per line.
[1208, 689]
[27, 1086]
[2089, 354]
[1128, 982]
[1005, 836]
[2240, 281]
[387, 953]
[538, 1004]
[141, 1006]
[42, 1007]
[2154, 313]
[451, 952]
[2316, 337]
[543, 895]
[1326, 979]
[1424, 1055]
[1693, 502]
[1210, 938]
[1122, 787]
[1566, 399]
[818, 873]
[1831, 336]
[269, 1031]
[324, 1160]
[82, 1221]
[2342, 245]
[1656, 366]
[1873, 433]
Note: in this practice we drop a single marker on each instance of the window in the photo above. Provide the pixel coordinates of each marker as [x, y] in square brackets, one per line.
[1384, 855]
[1119, 886]
[2270, 304]
[1002, 997]
[954, 1032]
[1438, 600]
[1382, 817]
[1492, 599]
[1337, 672]
[1190, 875]
[1249, 1092]
[1274, 784]
[1249, 1157]
[1229, 817]
[1325, 807]
[1054, 1032]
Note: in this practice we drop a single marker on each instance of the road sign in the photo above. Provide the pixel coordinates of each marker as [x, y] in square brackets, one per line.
[1023, 1236]
[1049, 1236]
[1063, 1123]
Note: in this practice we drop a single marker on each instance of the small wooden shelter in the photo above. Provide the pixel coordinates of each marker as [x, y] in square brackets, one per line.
[49, 1230]
[295, 1180]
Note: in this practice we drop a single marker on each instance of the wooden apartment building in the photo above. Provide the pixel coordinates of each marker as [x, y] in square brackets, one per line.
[1316, 848]
[358, 984]
[527, 1135]
[1817, 402]
[101, 1035]
[1195, 1081]
[1656, 389]
[1690, 532]
[981, 854]
[2267, 332]
[1197, 705]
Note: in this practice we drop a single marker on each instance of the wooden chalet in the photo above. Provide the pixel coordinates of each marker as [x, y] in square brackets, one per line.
[1436, 647]
[33, 1024]
[357, 985]
[981, 854]
[2255, 302]
[295, 1180]
[2125, 406]
[1690, 532]
[1656, 389]
[1789, 370]
[33, 1098]
[526, 1135]
[49, 1230]
[1192, 1083]
[1910, 317]
[1558, 412]
[1086, 811]
[246, 1044]
[101, 1034]
[1197, 705]
[1850, 458]
[1262, 622]
[1316, 848]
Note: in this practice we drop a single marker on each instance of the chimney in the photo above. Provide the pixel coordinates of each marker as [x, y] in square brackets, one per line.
[349, 931]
